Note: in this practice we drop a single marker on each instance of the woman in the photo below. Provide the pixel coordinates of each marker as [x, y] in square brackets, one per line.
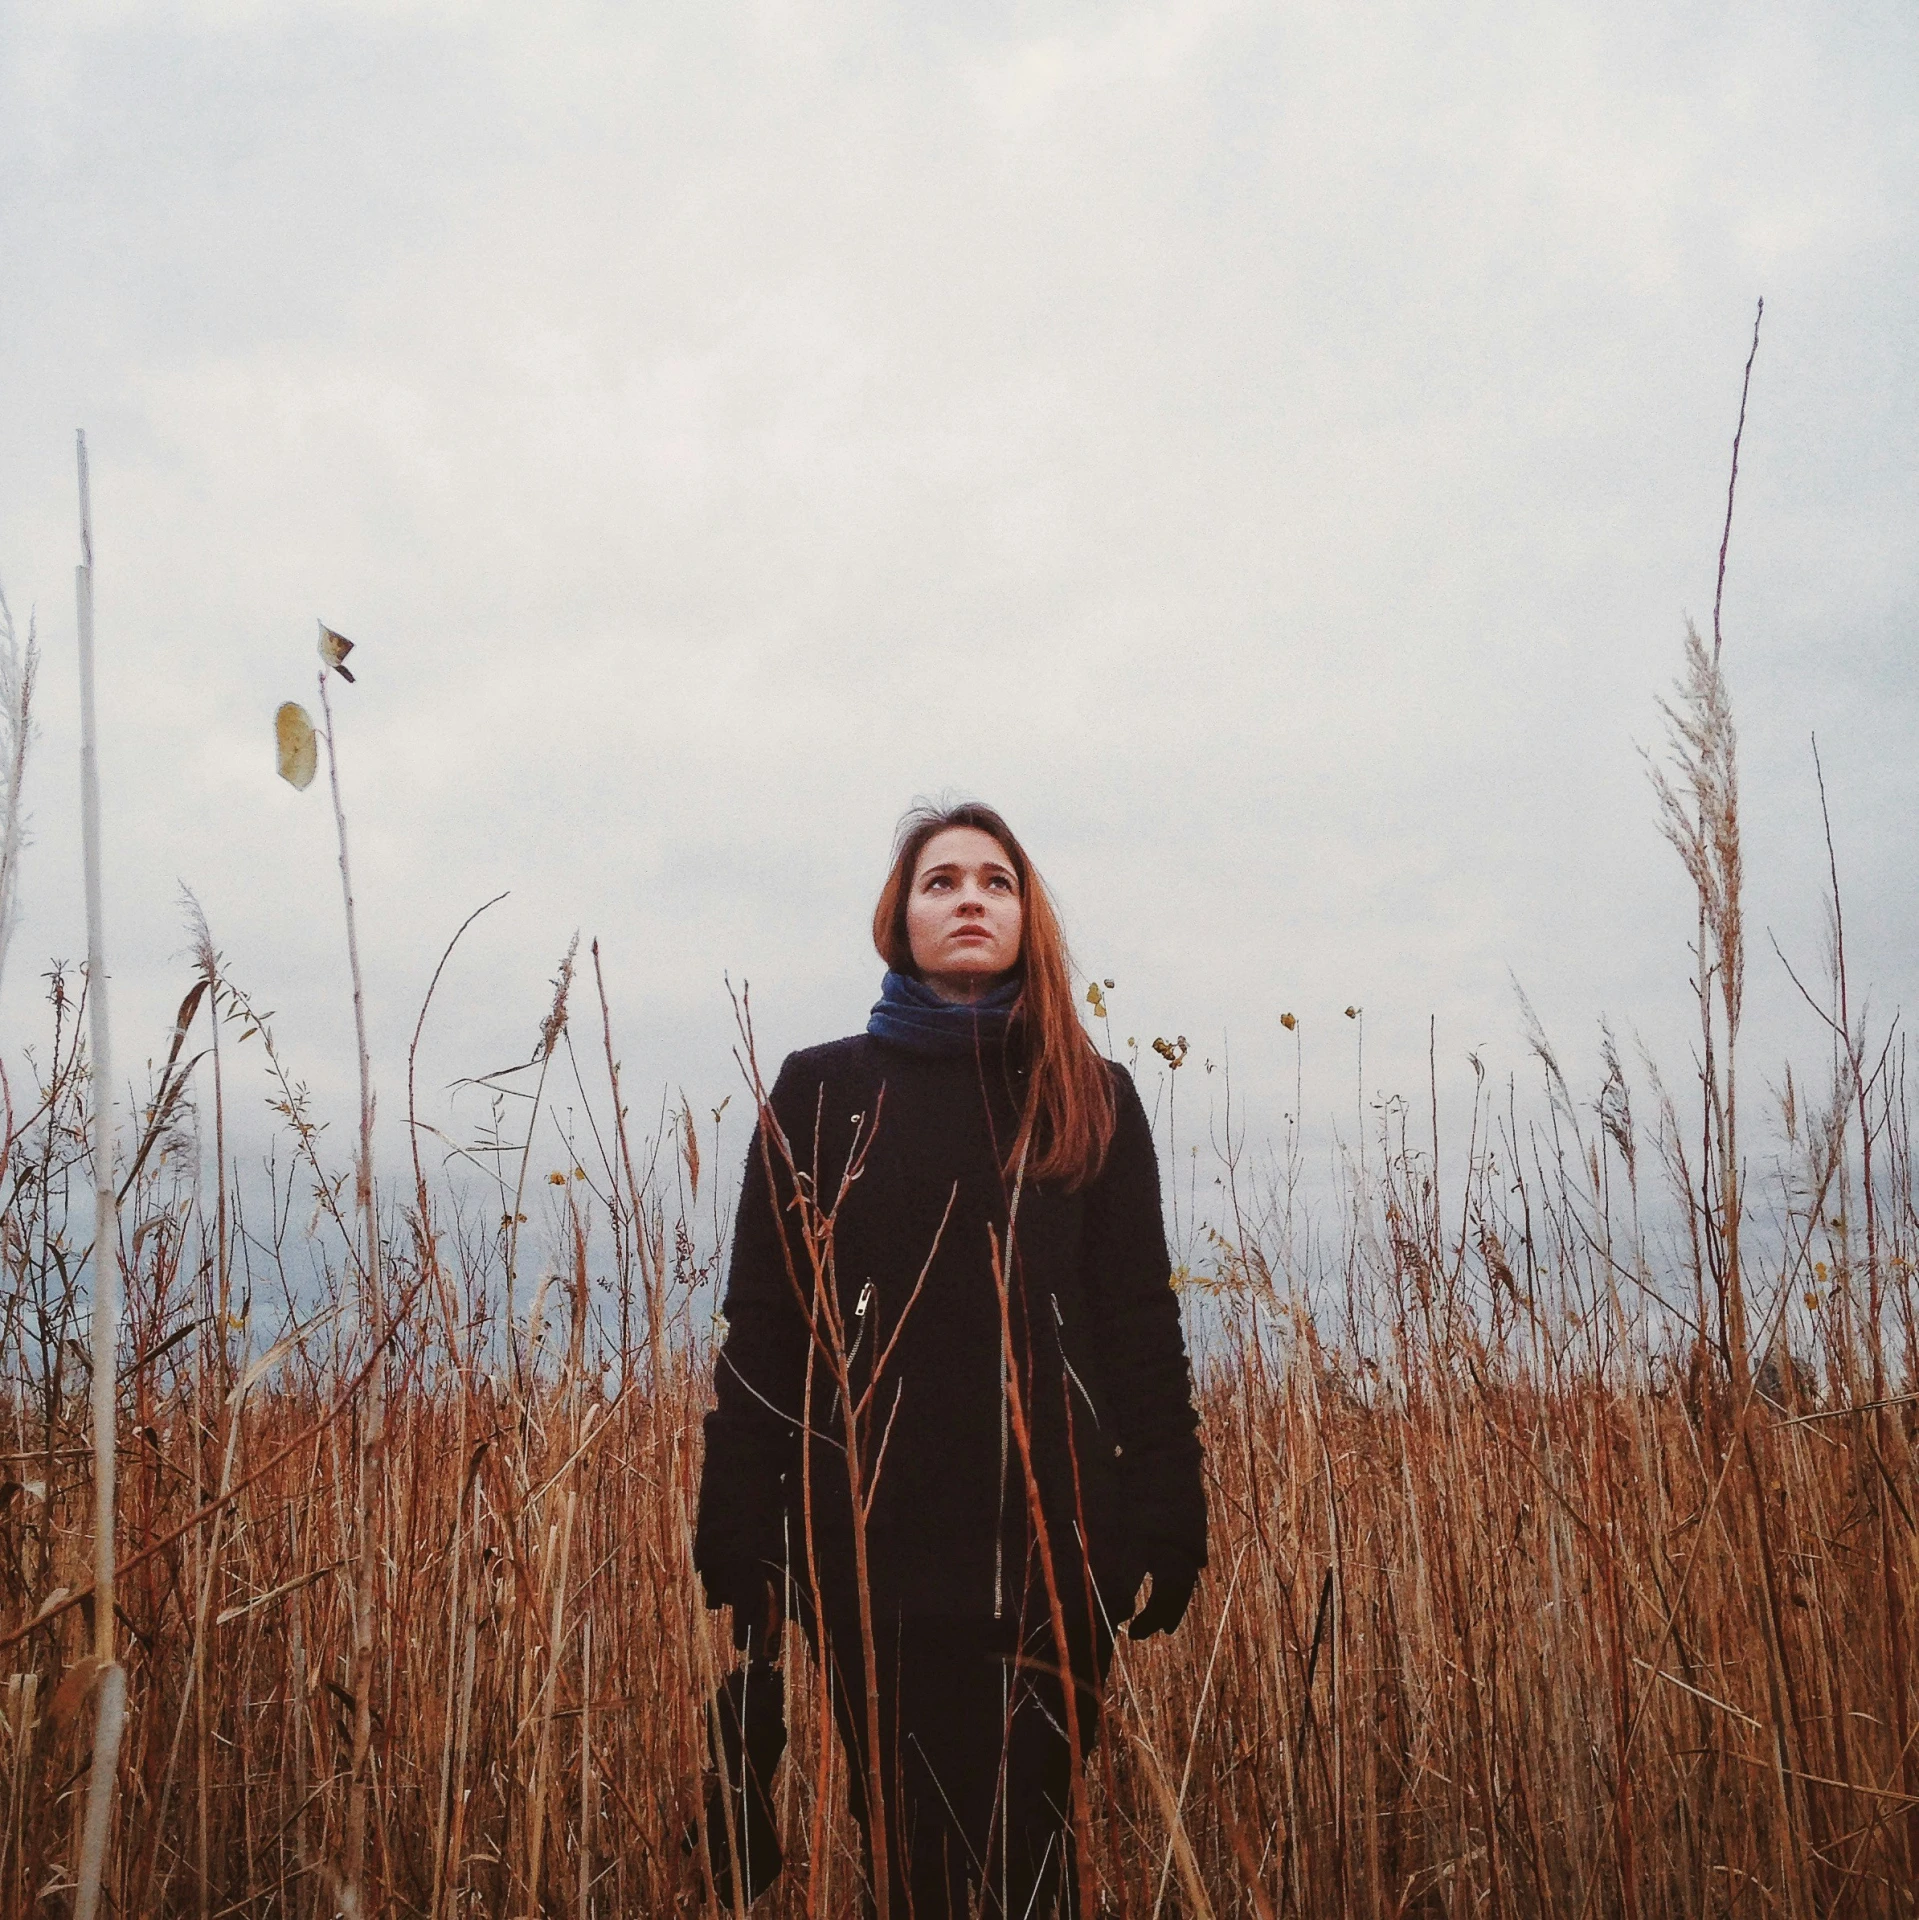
[950, 1276]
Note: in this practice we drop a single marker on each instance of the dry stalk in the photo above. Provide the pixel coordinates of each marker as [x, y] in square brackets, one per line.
[353, 1893]
[1062, 1646]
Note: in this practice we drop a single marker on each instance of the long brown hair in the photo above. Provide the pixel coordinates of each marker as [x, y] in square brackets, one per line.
[1068, 1121]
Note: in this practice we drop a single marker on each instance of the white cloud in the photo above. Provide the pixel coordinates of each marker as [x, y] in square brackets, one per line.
[1268, 450]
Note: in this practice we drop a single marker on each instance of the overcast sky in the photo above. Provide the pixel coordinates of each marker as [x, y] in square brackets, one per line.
[1270, 451]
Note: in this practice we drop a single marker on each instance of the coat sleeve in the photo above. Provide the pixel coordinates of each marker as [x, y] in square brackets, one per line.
[752, 1433]
[1148, 1377]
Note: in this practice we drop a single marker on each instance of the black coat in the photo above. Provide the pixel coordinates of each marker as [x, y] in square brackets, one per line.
[1095, 1335]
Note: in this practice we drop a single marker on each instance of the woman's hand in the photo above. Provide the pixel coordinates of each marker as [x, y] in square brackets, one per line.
[751, 1591]
[1174, 1575]
[758, 1618]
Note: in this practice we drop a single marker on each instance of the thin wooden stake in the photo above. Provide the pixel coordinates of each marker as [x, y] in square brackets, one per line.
[106, 1208]
[112, 1682]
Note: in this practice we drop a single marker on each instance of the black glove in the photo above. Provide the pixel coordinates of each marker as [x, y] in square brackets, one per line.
[1174, 1574]
[752, 1590]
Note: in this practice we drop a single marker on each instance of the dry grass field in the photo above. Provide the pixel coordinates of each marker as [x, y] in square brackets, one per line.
[1561, 1564]
[1525, 1597]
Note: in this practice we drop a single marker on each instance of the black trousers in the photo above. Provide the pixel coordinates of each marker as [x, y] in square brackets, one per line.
[975, 1764]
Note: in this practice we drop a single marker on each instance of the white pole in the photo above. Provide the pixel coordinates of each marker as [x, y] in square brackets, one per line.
[106, 1253]
[106, 1210]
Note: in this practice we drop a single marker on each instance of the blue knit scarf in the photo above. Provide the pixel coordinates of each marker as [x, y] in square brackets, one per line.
[910, 1014]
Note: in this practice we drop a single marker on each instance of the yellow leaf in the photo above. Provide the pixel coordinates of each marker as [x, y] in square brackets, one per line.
[1287, 1021]
[293, 734]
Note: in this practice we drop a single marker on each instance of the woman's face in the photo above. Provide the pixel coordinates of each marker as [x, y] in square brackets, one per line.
[963, 913]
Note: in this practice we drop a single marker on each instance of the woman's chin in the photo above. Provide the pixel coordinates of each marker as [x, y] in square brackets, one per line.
[966, 978]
